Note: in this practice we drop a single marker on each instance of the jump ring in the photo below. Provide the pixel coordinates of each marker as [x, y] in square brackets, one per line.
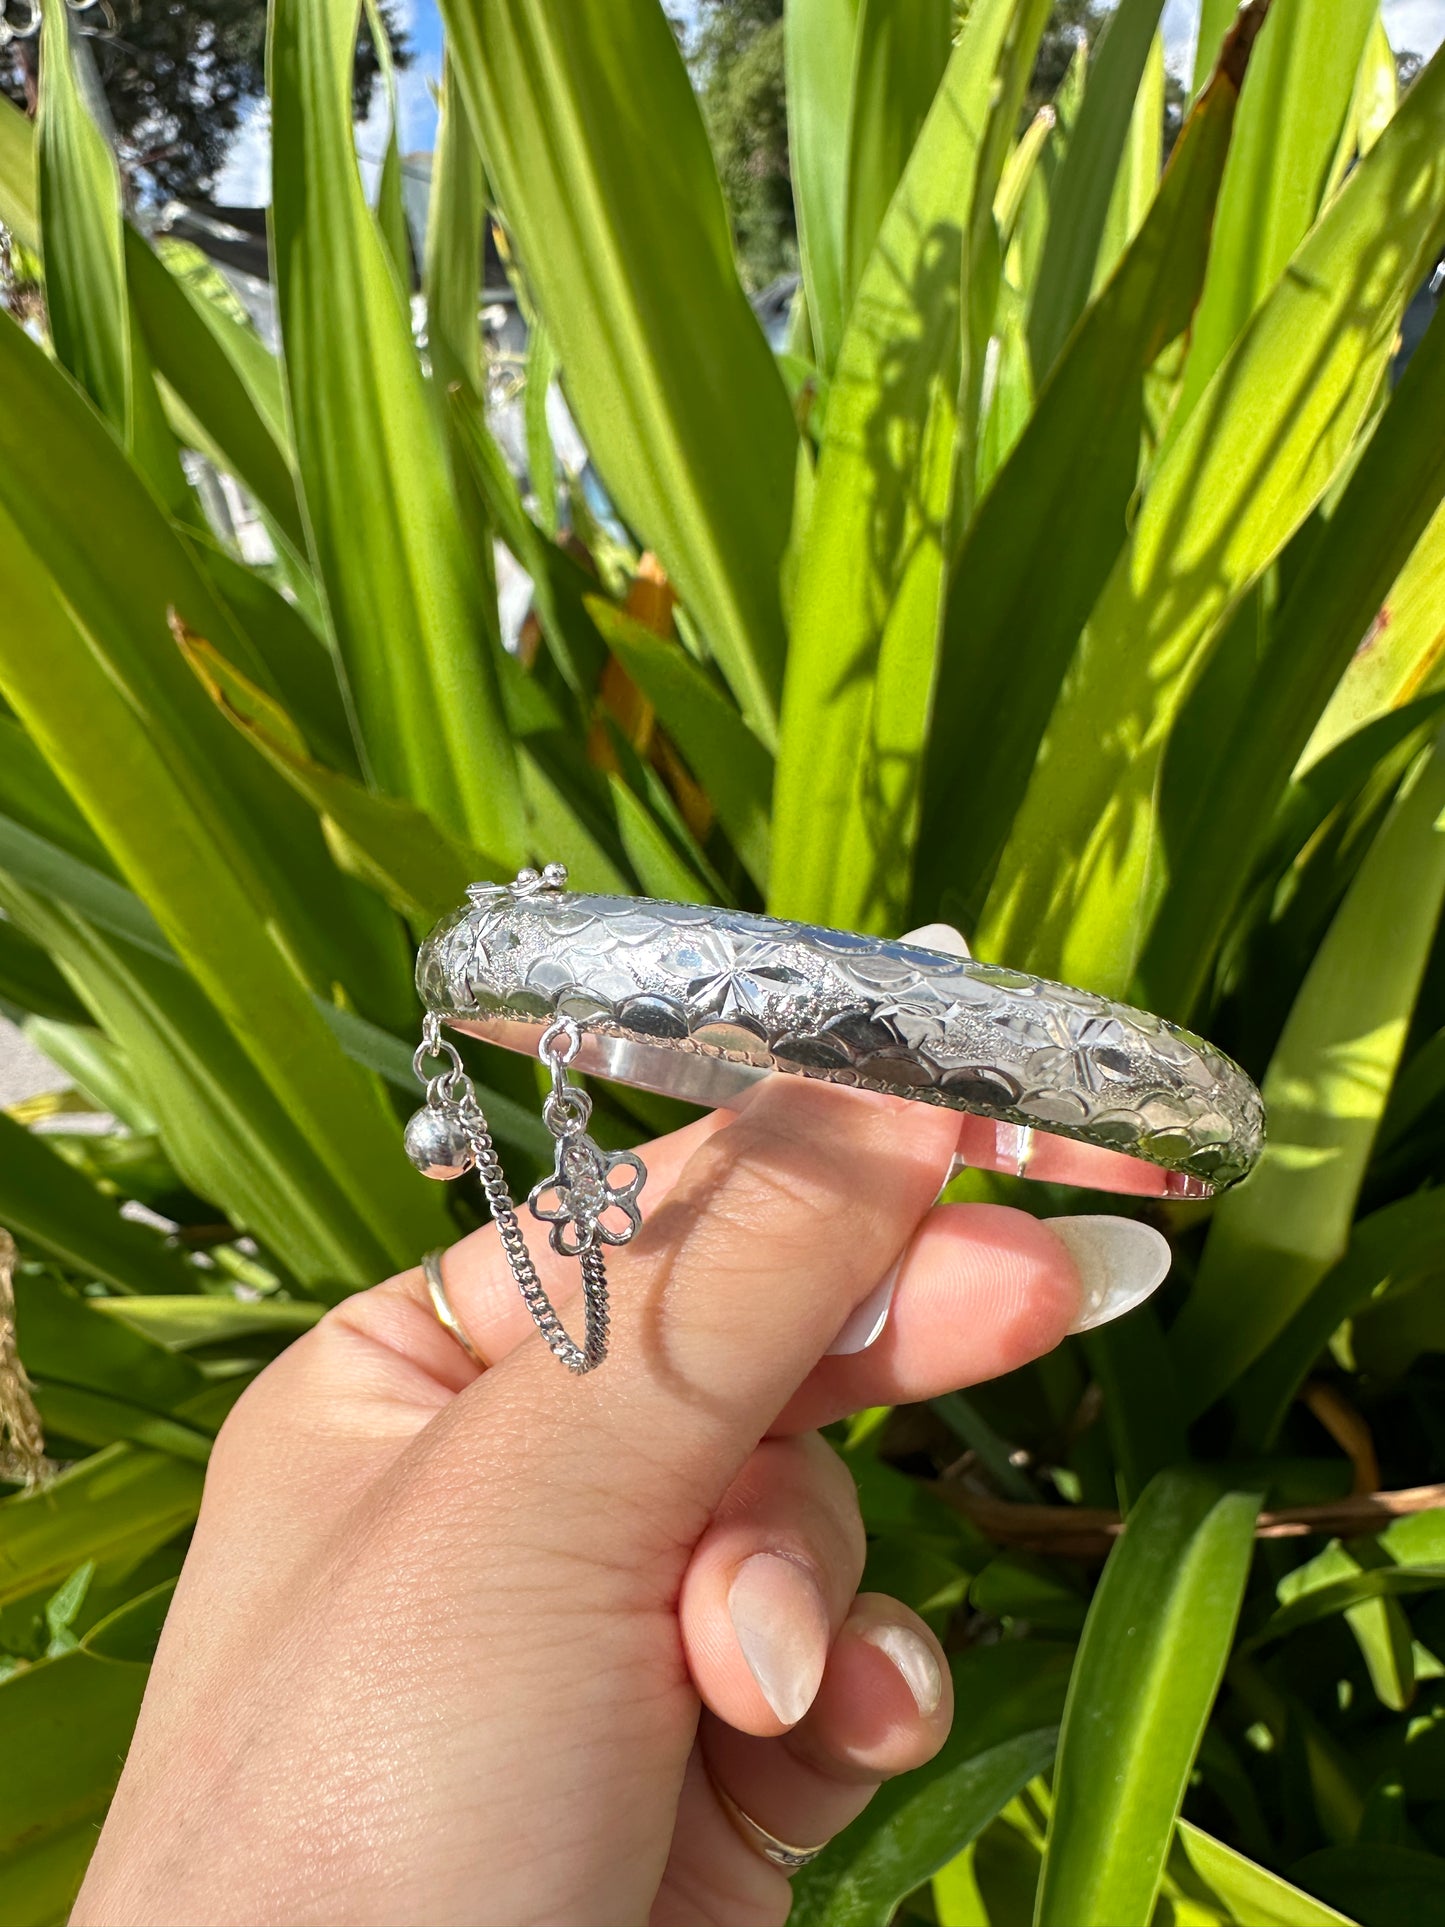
[441, 1047]
[566, 1112]
[548, 1047]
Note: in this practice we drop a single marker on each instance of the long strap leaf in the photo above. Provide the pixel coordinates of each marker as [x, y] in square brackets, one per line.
[1331, 604]
[1083, 872]
[630, 262]
[1272, 1241]
[866, 607]
[418, 639]
[1040, 549]
[1080, 193]
[1149, 1665]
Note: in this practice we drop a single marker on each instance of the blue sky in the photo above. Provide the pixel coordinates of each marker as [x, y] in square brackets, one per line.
[1418, 25]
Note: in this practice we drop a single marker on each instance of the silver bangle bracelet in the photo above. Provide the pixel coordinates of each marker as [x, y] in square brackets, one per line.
[698, 1003]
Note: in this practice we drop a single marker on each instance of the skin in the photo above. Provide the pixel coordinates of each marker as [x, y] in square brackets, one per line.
[456, 1647]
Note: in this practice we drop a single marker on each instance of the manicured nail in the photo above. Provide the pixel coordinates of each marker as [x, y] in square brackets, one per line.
[938, 936]
[782, 1627]
[865, 1323]
[915, 1659]
[1120, 1261]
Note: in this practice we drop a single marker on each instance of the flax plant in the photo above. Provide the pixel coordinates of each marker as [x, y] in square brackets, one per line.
[1076, 572]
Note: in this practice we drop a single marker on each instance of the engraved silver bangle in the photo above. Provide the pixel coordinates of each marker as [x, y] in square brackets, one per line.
[699, 1003]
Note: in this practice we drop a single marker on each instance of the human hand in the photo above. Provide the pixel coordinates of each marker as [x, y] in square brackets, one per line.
[462, 1648]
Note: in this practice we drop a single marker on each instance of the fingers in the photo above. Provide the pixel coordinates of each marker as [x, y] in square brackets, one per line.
[481, 1289]
[775, 1229]
[979, 1291]
[770, 1583]
[884, 1707]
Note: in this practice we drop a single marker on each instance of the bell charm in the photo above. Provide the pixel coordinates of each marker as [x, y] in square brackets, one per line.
[437, 1142]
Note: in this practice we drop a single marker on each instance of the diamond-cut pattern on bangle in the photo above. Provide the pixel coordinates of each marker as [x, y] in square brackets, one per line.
[856, 1010]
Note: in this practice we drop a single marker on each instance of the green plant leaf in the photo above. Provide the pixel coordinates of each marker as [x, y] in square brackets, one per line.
[541, 456]
[44, 1201]
[180, 1323]
[96, 1419]
[121, 1499]
[224, 1129]
[1246, 1892]
[418, 639]
[1009, 1699]
[866, 605]
[1274, 1239]
[80, 216]
[1149, 1665]
[668, 374]
[1295, 103]
[1400, 657]
[390, 207]
[1375, 1616]
[219, 370]
[456, 220]
[1082, 875]
[64, 1339]
[1137, 181]
[721, 750]
[898, 61]
[19, 186]
[1216, 17]
[29, 981]
[412, 861]
[1393, 1247]
[298, 664]
[1081, 191]
[67, 1724]
[1339, 586]
[86, 299]
[1356, 1586]
[121, 574]
[559, 584]
[819, 37]
[1016, 181]
[123, 722]
[1039, 550]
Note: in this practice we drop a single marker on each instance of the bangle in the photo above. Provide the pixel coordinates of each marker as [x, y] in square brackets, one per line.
[699, 1003]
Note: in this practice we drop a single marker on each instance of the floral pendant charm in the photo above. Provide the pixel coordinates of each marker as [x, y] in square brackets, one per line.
[587, 1184]
[590, 1199]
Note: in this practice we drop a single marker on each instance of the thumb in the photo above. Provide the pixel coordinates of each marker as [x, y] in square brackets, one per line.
[777, 1227]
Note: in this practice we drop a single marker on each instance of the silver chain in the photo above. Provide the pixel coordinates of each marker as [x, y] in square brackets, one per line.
[579, 1180]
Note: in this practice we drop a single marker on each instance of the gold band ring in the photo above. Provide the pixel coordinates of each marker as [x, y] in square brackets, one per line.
[778, 1852]
[431, 1266]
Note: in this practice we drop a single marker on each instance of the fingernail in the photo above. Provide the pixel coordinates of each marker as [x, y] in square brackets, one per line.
[865, 1323]
[914, 1658]
[938, 936]
[782, 1627]
[1120, 1262]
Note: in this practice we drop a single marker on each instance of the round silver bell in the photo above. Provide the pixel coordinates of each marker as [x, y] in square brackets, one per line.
[437, 1143]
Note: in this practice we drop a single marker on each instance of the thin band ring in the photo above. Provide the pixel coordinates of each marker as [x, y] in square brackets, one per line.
[777, 1852]
[431, 1266]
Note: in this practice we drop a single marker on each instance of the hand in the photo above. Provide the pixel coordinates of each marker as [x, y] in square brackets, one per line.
[452, 1647]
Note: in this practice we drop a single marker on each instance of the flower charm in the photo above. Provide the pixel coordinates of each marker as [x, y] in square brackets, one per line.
[582, 1189]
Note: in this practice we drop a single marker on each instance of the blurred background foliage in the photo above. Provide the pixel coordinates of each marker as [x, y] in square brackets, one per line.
[1063, 556]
